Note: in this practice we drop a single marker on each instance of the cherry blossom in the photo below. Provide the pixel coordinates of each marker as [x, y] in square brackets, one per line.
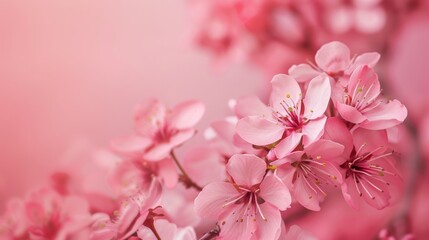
[289, 118]
[246, 207]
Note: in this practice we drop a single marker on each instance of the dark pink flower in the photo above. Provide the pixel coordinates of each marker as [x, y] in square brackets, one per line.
[367, 166]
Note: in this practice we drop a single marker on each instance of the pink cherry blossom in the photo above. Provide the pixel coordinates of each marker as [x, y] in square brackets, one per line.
[160, 130]
[334, 59]
[308, 172]
[289, 118]
[247, 206]
[45, 214]
[369, 173]
[362, 104]
[130, 217]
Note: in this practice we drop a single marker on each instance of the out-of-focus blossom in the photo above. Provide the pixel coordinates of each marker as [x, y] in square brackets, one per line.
[130, 217]
[45, 214]
[274, 34]
[248, 206]
[159, 130]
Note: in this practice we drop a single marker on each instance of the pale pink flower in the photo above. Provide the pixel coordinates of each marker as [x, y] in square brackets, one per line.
[367, 166]
[159, 130]
[130, 218]
[289, 118]
[334, 59]
[246, 207]
[362, 104]
[309, 172]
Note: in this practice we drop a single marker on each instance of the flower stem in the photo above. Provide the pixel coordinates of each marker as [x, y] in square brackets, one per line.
[187, 180]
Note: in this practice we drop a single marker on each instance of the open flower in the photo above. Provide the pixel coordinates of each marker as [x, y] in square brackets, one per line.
[361, 103]
[289, 118]
[333, 59]
[160, 130]
[246, 207]
[130, 217]
[309, 172]
[366, 165]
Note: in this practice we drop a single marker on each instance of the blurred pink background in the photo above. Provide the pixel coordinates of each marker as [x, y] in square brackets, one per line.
[73, 70]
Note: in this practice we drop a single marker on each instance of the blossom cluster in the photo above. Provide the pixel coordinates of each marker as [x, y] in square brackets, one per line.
[326, 127]
[275, 33]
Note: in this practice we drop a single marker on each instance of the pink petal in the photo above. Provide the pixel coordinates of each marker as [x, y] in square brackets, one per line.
[181, 137]
[325, 150]
[313, 130]
[149, 117]
[246, 169]
[269, 229]
[333, 57]
[165, 229]
[274, 192]
[209, 202]
[236, 224]
[364, 83]
[305, 195]
[370, 59]
[251, 106]
[350, 113]
[186, 114]
[385, 115]
[259, 131]
[224, 129]
[337, 131]
[158, 152]
[131, 145]
[303, 72]
[296, 233]
[168, 172]
[146, 233]
[285, 90]
[370, 139]
[288, 144]
[317, 97]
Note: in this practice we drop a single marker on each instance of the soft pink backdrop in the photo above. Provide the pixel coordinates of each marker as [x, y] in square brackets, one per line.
[75, 69]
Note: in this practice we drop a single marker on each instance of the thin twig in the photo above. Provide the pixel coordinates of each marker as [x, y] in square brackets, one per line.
[188, 180]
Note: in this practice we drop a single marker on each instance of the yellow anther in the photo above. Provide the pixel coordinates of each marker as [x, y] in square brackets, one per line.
[271, 167]
[334, 177]
[287, 95]
[360, 89]
[381, 174]
[290, 109]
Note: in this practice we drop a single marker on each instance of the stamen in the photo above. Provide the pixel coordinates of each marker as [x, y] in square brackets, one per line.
[234, 200]
[259, 208]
